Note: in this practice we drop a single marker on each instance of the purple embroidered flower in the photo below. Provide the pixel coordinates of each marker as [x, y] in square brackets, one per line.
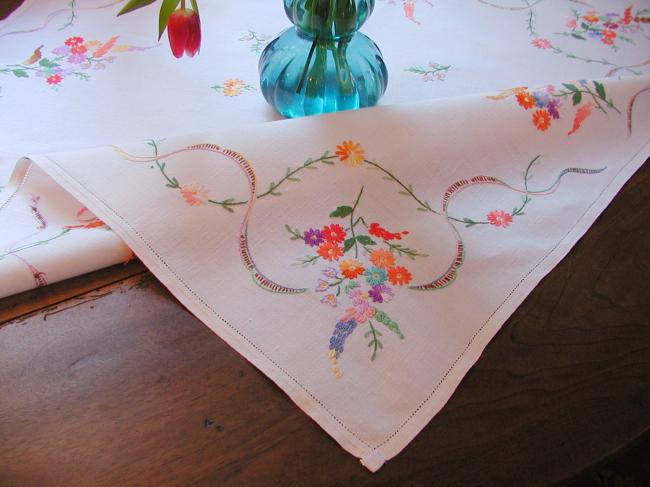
[381, 293]
[313, 238]
[76, 58]
[330, 272]
[322, 286]
[61, 50]
[552, 108]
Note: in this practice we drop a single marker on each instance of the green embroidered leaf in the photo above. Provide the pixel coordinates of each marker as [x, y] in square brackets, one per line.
[365, 240]
[578, 36]
[348, 244]
[166, 9]
[577, 98]
[20, 73]
[600, 89]
[46, 63]
[570, 86]
[469, 222]
[341, 212]
[386, 320]
[134, 5]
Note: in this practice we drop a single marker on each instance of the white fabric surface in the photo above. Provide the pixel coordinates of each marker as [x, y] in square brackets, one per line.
[540, 182]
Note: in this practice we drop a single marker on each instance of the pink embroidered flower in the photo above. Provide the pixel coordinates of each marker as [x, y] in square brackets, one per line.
[360, 312]
[499, 218]
[541, 43]
[194, 195]
[571, 23]
[329, 299]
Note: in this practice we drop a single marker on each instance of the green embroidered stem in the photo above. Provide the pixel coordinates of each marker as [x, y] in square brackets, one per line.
[407, 189]
[289, 176]
[34, 244]
[576, 94]
[374, 342]
[423, 71]
[354, 237]
[531, 21]
[72, 17]
[171, 182]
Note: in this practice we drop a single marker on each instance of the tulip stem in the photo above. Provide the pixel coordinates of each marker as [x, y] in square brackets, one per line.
[182, 4]
[304, 71]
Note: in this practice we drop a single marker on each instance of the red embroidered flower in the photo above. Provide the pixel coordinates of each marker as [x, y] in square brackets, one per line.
[399, 276]
[379, 232]
[627, 16]
[525, 100]
[54, 79]
[499, 218]
[74, 41]
[330, 251]
[333, 233]
[542, 120]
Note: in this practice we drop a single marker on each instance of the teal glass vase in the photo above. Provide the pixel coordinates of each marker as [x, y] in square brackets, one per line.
[322, 64]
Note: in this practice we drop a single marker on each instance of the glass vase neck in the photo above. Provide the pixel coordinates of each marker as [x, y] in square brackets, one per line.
[328, 19]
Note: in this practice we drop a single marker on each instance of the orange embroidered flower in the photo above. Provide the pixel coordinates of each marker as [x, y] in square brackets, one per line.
[194, 195]
[351, 268]
[499, 218]
[399, 276]
[79, 49]
[93, 223]
[525, 99]
[382, 258]
[74, 41]
[590, 17]
[330, 251]
[350, 154]
[542, 120]
[607, 37]
[581, 114]
[333, 233]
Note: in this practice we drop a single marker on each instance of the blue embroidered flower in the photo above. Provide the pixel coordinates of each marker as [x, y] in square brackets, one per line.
[541, 99]
[375, 276]
[342, 330]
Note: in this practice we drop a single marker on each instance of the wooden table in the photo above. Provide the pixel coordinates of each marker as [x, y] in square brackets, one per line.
[107, 380]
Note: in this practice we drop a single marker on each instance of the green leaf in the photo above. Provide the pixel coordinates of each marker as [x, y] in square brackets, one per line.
[577, 98]
[578, 36]
[348, 244]
[46, 63]
[365, 240]
[134, 5]
[195, 7]
[341, 212]
[166, 9]
[570, 86]
[600, 89]
[20, 73]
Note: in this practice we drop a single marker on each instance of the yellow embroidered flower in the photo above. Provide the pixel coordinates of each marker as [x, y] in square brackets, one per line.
[350, 154]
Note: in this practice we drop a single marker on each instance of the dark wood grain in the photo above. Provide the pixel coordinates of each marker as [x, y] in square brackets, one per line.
[8, 6]
[130, 389]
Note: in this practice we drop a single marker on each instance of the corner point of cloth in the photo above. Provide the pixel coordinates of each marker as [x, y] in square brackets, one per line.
[373, 461]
